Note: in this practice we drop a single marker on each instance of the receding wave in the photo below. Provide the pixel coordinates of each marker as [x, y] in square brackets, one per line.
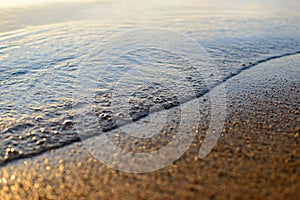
[39, 67]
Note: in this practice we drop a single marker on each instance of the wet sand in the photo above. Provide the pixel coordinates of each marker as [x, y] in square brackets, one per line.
[256, 157]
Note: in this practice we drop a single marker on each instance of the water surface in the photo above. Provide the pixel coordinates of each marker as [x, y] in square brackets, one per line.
[43, 46]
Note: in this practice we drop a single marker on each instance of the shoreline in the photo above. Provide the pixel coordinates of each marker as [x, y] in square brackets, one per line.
[223, 81]
[256, 157]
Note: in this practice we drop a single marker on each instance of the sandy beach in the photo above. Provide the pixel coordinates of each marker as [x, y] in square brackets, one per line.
[256, 157]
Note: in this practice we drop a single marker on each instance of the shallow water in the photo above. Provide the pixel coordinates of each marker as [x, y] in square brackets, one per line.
[43, 48]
